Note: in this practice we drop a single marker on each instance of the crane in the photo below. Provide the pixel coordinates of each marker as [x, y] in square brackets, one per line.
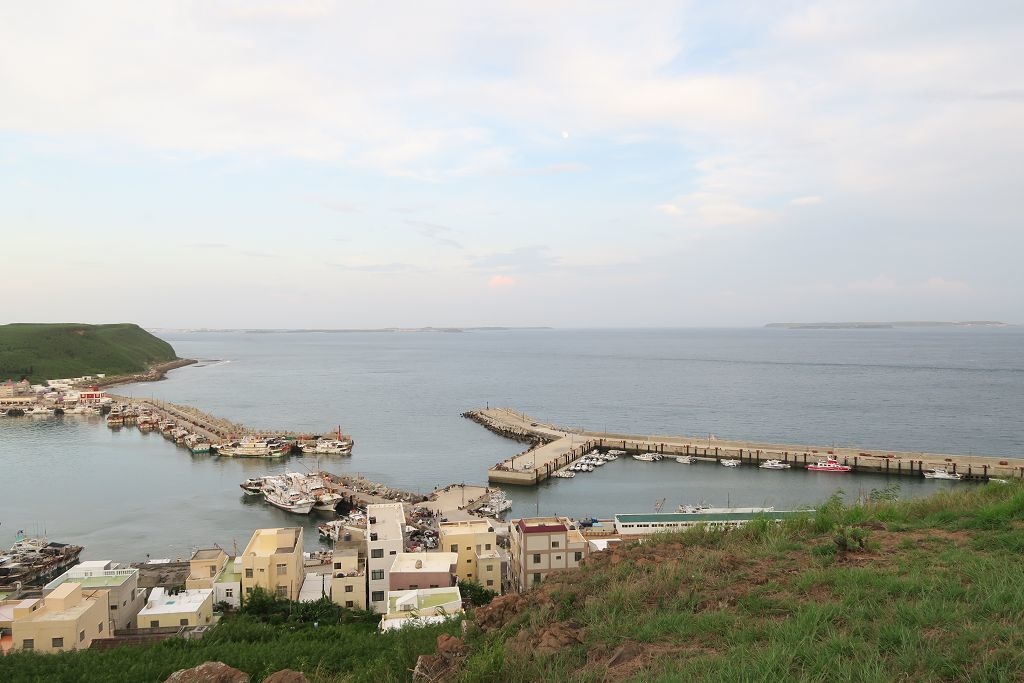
[659, 504]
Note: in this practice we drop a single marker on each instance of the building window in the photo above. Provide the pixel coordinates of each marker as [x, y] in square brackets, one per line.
[558, 557]
[490, 582]
[81, 636]
[490, 567]
[282, 569]
[469, 560]
[554, 544]
[348, 589]
[413, 586]
[184, 622]
[377, 596]
[579, 556]
[57, 642]
[248, 573]
[377, 552]
[487, 546]
[348, 603]
[113, 608]
[99, 627]
[392, 552]
[28, 644]
[213, 571]
[377, 575]
[536, 558]
[154, 624]
[536, 577]
[282, 591]
[248, 590]
[337, 565]
[229, 592]
[455, 547]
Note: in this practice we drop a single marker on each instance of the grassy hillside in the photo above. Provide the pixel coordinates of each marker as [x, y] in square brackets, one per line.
[55, 350]
[934, 594]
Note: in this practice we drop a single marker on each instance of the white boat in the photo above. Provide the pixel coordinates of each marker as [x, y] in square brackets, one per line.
[498, 501]
[564, 474]
[288, 499]
[704, 508]
[684, 459]
[730, 463]
[253, 486]
[774, 465]
[941, 473]
[647, 457]
[316, 488]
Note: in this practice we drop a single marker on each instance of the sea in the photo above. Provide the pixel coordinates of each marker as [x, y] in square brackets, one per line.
[129, 496]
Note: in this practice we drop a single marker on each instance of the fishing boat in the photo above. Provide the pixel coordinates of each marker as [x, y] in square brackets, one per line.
[730, 463]
[829, 465]
[253, 486]
[288, 499]
[564, 474]
[774, 465]
[33, 560]
[115, 418]
[647, 457]
[941, 473]
[684, 459]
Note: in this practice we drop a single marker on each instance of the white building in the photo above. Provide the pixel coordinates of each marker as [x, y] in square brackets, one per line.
[420, 607]
[193, 607]
[385, 538]
[124, 597]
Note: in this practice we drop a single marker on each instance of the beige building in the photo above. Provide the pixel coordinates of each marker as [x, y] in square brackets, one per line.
[124, 597]
[385, 538]
[212, 568]
[477, 546]
[66, 619]
[348, 579]
[411, 571]
[273, 561]
[420, 607]
[541, 545]
[189, 607]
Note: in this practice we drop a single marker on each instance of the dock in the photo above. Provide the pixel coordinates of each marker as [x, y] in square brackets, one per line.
[554, 447]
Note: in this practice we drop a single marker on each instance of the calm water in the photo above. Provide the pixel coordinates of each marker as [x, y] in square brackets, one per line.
[125, 495]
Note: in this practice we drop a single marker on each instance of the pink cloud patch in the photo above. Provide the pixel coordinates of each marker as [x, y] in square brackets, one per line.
[498, 281]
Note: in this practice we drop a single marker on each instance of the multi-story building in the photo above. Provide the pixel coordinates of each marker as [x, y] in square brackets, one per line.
[385, 538]
[540, 545]
[477, 546]
[189, 607]
[348, 578]
[66, 619]
[212, 568]
[124, 597]
[273, 561]
[411, 571]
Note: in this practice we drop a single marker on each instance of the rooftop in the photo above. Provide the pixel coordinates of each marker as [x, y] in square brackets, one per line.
[424, 562]
[466, 526]
[266, 542]
[388, 521]
[162, 602]
[423, 598]
[207, 554]
[94, 574]
[542, 525]
[229, 574]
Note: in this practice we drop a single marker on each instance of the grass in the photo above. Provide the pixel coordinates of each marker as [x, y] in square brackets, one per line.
[59, 350]
[935, 595]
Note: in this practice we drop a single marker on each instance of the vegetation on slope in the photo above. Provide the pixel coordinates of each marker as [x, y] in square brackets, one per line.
[327, 642]
[922, 590]
[56, 350]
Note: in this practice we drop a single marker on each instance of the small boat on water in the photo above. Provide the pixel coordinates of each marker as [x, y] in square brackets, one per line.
[684, 459]
[647, 457]
[829, 465]
[704, 508]
[564, 474]
[941, 473]
[774, 465]
[730, 463]
[288, 499]
[253, 486]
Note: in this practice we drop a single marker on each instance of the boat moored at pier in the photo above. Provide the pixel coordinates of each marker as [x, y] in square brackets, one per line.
[774, 465]
[942, 473]
[829, 465]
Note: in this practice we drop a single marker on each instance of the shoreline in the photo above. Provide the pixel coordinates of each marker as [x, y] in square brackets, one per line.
[154, 374]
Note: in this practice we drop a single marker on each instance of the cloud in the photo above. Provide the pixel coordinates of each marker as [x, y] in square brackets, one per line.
[669, 209]
[809, 200]
[711, 210]
[501, 281]
[434, 232]
[393, 267]
[533, 258]
[341, 207]
[207, 245]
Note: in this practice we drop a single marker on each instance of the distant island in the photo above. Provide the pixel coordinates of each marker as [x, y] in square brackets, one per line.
[41, 351]
[348, 330]
[885, 325]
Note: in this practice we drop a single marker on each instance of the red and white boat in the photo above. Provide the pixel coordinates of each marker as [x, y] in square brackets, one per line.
[830, 465]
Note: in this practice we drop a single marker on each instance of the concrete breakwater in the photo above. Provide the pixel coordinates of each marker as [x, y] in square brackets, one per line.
[556, 448]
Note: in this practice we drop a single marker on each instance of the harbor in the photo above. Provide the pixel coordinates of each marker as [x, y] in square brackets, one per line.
[554, 448]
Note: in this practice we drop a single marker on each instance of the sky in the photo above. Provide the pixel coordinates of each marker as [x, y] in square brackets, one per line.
[263, 164]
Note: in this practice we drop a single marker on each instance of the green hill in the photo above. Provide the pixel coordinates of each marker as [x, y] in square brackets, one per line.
[41, 351]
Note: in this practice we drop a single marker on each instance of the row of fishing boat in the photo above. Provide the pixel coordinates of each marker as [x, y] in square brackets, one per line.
[294, 491]
[830, 464]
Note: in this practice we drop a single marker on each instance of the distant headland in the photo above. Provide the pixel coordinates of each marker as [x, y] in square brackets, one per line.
[886, 325]
[42, 351]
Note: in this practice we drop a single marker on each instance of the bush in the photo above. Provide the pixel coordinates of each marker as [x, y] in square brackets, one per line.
[849, 538]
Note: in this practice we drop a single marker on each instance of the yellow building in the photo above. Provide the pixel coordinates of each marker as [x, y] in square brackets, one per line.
[348, 579]
[273, 561]
[476, 544]
[192, 607]
[66, 619]
[212, 568]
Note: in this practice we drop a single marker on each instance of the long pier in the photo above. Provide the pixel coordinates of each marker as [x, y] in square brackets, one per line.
[554, 447]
